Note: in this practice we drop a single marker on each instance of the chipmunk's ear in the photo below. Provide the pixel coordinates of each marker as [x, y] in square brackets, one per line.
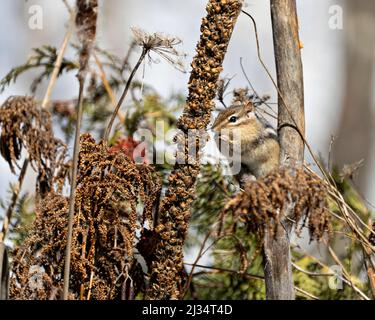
[248, 107]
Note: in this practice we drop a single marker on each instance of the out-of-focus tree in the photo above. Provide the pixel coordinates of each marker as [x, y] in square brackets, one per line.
[353, 141]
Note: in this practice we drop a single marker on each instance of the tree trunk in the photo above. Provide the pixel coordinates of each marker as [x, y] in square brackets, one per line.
[278, 269]
[353, 142]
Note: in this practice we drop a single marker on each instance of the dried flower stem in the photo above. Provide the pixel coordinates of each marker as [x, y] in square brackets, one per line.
[86, 27]
[73, 189]
[107, 86]
[46, 98]
[13, 202]
[58, 62]
[124, 93]
[174, 213]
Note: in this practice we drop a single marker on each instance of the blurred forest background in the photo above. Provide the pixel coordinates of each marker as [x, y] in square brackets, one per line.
[338, 79]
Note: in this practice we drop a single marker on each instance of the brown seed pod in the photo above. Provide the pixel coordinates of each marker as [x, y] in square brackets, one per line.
[25, 125]
[111, 188]
[261, 202]
[165, 282]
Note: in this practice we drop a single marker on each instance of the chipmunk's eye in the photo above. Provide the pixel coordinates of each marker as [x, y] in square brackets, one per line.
[233, 119]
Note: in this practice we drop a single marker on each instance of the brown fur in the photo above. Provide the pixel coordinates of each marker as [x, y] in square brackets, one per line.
[259, 151]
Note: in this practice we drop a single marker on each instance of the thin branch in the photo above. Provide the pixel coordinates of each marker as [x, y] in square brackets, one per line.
[246, 275]
[13, 202]
[107, 87]
[86, 20]
[125, 92]
[199, 255]
[56, 68]
[312, 274]
[73, 189]
[58, 62]
[342, 278]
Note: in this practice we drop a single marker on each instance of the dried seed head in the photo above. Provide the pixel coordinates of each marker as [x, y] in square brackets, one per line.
[263, 202]
[86, 28]
[162, 45]
[111, 189]
[24, 124]
[165, 281]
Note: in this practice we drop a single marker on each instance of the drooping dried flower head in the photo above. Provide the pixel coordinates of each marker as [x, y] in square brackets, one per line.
[24, 124]
[87, 13]
[112, 194]
[162, 45]
[262, 203]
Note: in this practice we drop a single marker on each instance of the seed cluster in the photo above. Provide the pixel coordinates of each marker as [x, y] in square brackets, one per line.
[86, 28]
[111, 191]
[262, 203]
[174, 214]
[24, 124]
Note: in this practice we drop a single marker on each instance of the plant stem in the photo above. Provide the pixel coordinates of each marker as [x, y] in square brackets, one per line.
[123, 96]
[13, 201]
[58, 62]
[73, 186]
[46, 99]
[107, 86]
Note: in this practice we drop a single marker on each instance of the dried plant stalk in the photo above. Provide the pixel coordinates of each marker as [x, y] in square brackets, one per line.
[263, 203]
[158, 43]
[24, 125]
[111, 189]
[86, 28]
[216, 31]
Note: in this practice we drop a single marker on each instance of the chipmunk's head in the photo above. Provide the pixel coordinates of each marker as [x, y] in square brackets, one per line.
[234, 117]
[236, 121]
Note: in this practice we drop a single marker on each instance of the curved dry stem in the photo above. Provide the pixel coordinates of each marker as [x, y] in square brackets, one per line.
[124, 94]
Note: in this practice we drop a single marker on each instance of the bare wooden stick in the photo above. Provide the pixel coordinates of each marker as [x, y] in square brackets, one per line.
[124, 94]
[86, 19]
[107, 87]
[277, 266]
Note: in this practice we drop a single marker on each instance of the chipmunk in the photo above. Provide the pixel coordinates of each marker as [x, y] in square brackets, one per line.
[258, 141]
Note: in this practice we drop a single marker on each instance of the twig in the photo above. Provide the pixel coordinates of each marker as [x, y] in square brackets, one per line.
[58, 62]
[312, 274]
[90, 285]
[108, 87]
[56, 68]
[306, 293]
[86, 19]
[13, 202]
[342, 278]
[247, 275]
[73, 189]
[125, 92]
[199, 255]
